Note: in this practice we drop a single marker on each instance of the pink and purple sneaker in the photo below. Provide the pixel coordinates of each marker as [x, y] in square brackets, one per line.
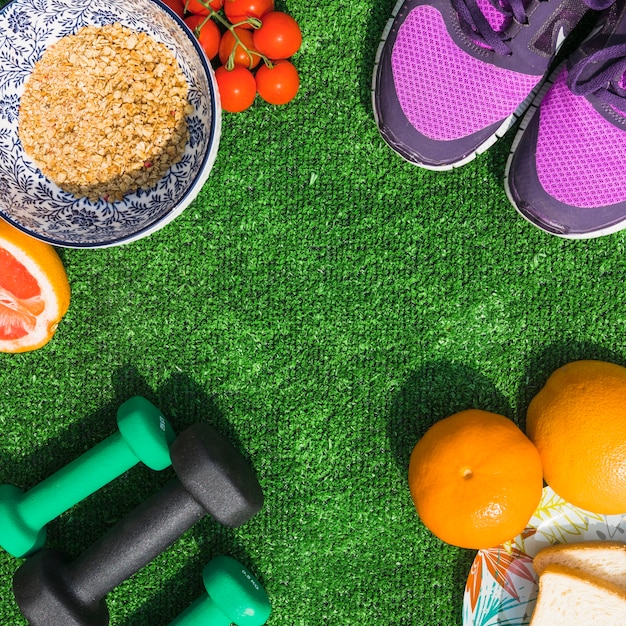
[452, 76]
[567, 170]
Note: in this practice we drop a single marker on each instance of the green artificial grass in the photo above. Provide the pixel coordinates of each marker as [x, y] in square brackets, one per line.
[321, 303]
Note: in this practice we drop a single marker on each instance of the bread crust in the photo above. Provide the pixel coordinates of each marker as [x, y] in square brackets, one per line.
[568, 553]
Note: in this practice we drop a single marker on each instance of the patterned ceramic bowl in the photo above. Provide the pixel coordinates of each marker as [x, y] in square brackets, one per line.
[36, 205]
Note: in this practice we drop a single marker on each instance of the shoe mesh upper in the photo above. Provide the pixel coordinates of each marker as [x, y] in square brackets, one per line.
[496, 19]
[444, 92]
[580, 155]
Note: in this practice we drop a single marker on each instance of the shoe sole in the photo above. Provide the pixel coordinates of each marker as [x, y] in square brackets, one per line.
[532, 109]
[506, 125]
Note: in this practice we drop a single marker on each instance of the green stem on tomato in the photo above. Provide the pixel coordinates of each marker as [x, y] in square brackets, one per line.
[198, 28]
[255, 22]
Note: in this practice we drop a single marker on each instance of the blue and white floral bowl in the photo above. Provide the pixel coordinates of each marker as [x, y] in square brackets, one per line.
[40, 208]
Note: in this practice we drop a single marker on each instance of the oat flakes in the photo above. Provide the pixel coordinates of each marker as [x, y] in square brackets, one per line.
[104, 112]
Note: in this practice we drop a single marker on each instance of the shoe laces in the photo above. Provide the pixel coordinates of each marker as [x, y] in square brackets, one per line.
[475, 24]
[602, 75]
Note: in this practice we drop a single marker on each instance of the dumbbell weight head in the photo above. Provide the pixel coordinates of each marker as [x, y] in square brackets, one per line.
[47, 596]
[216, 475]
[234, 596]
[144, 435]
[17, 536]
[146, 432]
[212, 478]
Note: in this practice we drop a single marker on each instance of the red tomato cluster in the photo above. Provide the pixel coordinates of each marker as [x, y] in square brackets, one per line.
[250, 43]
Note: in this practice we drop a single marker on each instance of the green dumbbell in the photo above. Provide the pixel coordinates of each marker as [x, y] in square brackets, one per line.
[235, 596]
[144, 436]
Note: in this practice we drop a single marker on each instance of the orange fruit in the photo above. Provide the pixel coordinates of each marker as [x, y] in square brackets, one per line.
[475, 479]
[34, 291]
[578, 423]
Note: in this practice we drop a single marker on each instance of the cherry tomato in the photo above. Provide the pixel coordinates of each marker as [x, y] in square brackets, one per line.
[178, 6]
[197, 8]
[207, 32]
[279, 37]
[279, 84]
[240, 10]
[237, 88]
[241, 57]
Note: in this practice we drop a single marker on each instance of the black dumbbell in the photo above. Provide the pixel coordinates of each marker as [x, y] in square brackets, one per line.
[211, 478]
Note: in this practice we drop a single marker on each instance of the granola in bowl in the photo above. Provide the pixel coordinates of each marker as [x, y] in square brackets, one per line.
[104, 112]
[30, 200]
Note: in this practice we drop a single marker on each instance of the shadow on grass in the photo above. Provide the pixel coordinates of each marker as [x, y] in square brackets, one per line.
[429, 395]
[184, 403]
[441, 389]
[84, 432]
[432, 393]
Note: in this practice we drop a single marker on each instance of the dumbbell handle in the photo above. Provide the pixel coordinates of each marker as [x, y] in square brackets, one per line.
[202, 612]
[133, 542]
[76, 481]
[143, 435]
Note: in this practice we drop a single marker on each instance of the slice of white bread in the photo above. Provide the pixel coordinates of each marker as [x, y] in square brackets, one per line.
[602, 559]
[569, 597]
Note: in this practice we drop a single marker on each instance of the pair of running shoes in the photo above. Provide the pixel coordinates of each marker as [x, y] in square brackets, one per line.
[452, 76]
